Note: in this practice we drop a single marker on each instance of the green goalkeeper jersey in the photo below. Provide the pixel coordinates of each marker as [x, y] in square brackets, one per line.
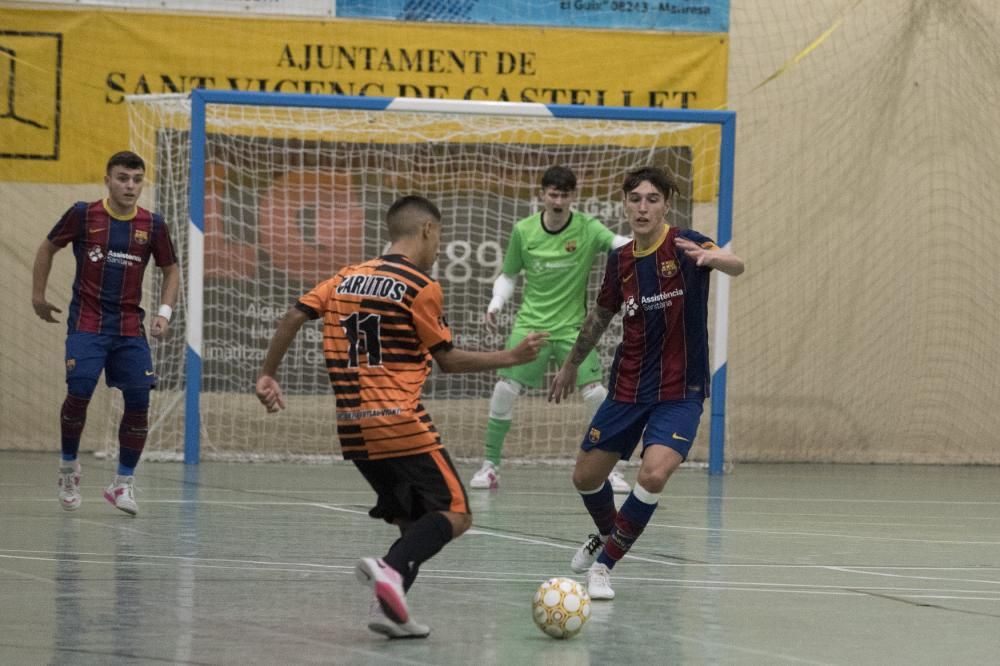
[556, 266]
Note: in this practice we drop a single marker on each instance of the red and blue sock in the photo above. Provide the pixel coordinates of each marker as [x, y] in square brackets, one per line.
[132, 430]
[72, 418]
[632, 519]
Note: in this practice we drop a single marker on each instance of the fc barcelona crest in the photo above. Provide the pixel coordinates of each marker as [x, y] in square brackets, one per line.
[668, 268]
[571, 246]
[141, 236]
[595, 435]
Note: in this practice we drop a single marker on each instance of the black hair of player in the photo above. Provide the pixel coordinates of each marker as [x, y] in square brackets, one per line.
[559, 177]
[656, 176]
[127, 159]
[406, 213]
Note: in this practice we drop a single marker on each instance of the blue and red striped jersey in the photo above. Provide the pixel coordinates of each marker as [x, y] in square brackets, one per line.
[111, 257]
[663, 298]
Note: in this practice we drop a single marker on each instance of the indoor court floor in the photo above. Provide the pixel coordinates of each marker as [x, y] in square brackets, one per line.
[253, 564]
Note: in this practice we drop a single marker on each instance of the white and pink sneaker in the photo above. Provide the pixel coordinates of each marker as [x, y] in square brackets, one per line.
[487, 478]
[121, 494]
[380, 624]
[388, 586]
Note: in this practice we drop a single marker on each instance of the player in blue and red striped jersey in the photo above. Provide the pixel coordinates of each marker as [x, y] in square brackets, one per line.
[113, 240]
[660, 374]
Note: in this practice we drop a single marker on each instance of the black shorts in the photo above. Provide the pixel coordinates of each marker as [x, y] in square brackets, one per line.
[410, 486]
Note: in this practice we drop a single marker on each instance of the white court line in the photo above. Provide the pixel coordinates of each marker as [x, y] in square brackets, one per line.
[334, 507]
[835, 500]
[541, 542]
[37, 579]
[259, 566]
[828, 514]
[13, 552]
[307, 566]
[639, 558]
[734, 586]
[863, 572]
[834, 519]
[786, 499]
[827, 535]
[222, 502]
[723, 586]
[296, 491]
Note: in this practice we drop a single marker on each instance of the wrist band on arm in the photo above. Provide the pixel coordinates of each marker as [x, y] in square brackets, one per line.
[165, 311]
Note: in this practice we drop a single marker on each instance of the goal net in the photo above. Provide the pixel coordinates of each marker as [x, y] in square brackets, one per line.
[287, 189]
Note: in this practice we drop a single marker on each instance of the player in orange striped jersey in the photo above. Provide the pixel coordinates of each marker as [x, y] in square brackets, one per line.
[383, 321]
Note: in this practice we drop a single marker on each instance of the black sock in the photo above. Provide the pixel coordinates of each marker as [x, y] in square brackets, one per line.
[420, 542]
[408, 576]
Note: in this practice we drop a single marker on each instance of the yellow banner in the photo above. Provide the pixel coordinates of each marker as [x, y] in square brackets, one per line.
[65, 73]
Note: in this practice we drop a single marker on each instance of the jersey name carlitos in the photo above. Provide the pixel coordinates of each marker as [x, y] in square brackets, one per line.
[111, 257]
[556, 266]
[381, 321]
[663, 299]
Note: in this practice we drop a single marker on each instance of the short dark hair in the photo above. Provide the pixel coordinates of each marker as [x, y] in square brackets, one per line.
[658, 177]
[560, 177]
[406, 212]
[127, 159]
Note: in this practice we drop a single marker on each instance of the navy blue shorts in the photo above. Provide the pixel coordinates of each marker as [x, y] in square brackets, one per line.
[618, 426]
[125, 359]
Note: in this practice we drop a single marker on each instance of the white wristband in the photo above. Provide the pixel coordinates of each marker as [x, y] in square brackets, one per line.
[165, 311]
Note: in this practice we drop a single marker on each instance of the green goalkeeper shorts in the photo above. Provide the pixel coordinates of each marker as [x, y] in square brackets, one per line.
[554, 351]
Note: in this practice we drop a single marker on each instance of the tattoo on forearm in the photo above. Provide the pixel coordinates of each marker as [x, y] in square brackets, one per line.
[593, 328]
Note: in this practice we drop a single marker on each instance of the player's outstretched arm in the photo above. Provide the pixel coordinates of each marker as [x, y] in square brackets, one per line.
[268, 389]
[168, 298]
[40, 280]
[715, 257]
[459, 360]
[593, 328]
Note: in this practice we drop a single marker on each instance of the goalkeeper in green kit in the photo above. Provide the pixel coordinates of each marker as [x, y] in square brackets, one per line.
[555, 248]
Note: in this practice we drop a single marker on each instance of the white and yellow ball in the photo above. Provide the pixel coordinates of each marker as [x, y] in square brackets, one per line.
[561, 607]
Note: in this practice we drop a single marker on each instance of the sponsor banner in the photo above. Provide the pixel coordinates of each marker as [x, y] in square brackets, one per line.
[282, 7]
[65, 79]
[671, 15]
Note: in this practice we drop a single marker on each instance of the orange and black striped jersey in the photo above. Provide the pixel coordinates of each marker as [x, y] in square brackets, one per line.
[381, 321]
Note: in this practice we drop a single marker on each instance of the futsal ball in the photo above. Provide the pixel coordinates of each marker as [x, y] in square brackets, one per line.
[561, 607]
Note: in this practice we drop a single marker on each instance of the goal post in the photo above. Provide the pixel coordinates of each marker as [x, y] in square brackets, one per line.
[280, 190]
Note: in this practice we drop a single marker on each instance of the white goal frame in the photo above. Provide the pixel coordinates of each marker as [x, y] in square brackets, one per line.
[201, 98]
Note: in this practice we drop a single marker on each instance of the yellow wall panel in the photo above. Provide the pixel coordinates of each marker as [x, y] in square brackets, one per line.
[74, 68]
